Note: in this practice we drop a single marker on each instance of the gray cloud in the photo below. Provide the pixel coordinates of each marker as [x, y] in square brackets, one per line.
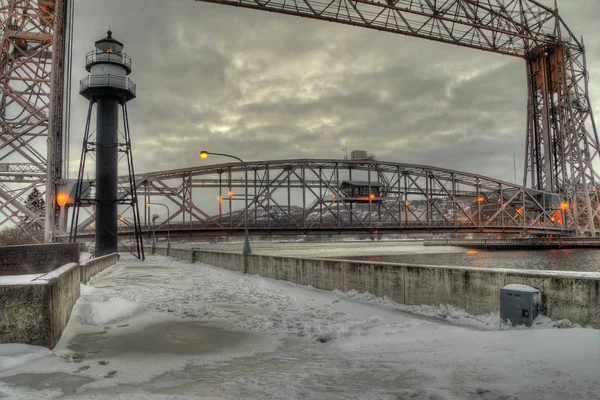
[267, 86]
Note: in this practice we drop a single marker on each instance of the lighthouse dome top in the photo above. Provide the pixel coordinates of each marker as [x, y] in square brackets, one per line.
[109, 44]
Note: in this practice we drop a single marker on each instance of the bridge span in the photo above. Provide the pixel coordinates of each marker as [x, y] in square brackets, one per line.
[561, 139]
[327, 196]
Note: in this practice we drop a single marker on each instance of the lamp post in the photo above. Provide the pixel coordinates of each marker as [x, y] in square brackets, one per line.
[168, 218]
[154, 218]
[204, 155]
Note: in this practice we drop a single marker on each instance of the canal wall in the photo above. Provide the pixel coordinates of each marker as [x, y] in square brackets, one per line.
[520, 244]
[96, 265]
[36, 309]
[36, 258]
[477, 291]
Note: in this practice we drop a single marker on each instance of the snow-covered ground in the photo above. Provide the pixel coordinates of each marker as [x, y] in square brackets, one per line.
[166, 329]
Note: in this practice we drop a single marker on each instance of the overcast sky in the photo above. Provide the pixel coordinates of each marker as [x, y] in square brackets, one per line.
[267, 86]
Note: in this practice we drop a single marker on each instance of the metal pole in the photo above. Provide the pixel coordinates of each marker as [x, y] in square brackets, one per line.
[246, 250]
[153, 236]
[168, 228]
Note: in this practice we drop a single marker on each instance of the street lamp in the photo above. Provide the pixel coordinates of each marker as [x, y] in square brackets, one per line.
[204, 155]
[168, 218]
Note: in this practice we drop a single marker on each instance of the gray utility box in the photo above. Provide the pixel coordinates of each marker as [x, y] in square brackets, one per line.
[519, 304]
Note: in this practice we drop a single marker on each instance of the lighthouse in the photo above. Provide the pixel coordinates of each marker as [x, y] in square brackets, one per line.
[110, 89]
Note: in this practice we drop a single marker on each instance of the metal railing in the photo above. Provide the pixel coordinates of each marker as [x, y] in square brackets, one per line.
[94, 57]
[107, 80]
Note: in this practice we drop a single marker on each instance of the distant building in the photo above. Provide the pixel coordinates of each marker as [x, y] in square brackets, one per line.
[358, 155]
[362, 191]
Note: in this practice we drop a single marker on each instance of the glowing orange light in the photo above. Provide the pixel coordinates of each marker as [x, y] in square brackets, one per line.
[372, 196]
[520, 211]
[121, 218]
[480, 199]
[204, 155]
[557, 218]
[333, 196]
[472, 252]
[406, 203]
[147, 204]
[220, 198]
[564, 206]
[230, 194]
[62, 199]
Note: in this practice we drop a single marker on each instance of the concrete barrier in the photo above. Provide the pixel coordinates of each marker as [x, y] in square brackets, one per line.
[36, 258]
[97, 265]
[476, 290]
[35, 309]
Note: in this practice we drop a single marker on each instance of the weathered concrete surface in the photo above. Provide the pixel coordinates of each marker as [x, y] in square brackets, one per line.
[37, 314]
[25, 315]
[64, 292]
[97, 265]
[519, 244]
[576, 298]
[36, 258]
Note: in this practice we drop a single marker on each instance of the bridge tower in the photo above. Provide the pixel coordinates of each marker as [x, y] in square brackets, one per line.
[109, 88]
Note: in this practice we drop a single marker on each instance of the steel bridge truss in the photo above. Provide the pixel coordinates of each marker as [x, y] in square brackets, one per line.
[561, 146]
[308, 196]
[33, 77]
[561, 141]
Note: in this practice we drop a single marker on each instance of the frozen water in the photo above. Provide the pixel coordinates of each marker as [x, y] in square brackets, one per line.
[167, 329]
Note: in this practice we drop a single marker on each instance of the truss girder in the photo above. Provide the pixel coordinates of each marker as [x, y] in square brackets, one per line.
[307, 195]
[562, 143]
[510, 27]
[32, 42]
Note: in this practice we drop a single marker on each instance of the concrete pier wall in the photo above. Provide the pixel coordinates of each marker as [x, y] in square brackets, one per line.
[97, 265]
[37, 312]
[576, 298]
[36, 309]
[36, 258]
[519, 244]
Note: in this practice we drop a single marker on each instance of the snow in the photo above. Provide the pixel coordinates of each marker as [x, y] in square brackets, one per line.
[58, 272]
[520, 288]
[84, 257]
[20, 280]
[13, 355]
[167, 329]
[35, 279]
[105, 312]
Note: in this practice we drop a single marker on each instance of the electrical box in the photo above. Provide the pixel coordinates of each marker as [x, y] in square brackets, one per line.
[519, 304]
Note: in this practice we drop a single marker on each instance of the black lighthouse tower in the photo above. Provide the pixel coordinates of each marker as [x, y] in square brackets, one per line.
[109, 88]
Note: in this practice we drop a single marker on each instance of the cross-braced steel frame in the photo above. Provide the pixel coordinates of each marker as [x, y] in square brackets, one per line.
[33, 79]
[561, 146]
[86, 196]
[308, 196]
[561, 140]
